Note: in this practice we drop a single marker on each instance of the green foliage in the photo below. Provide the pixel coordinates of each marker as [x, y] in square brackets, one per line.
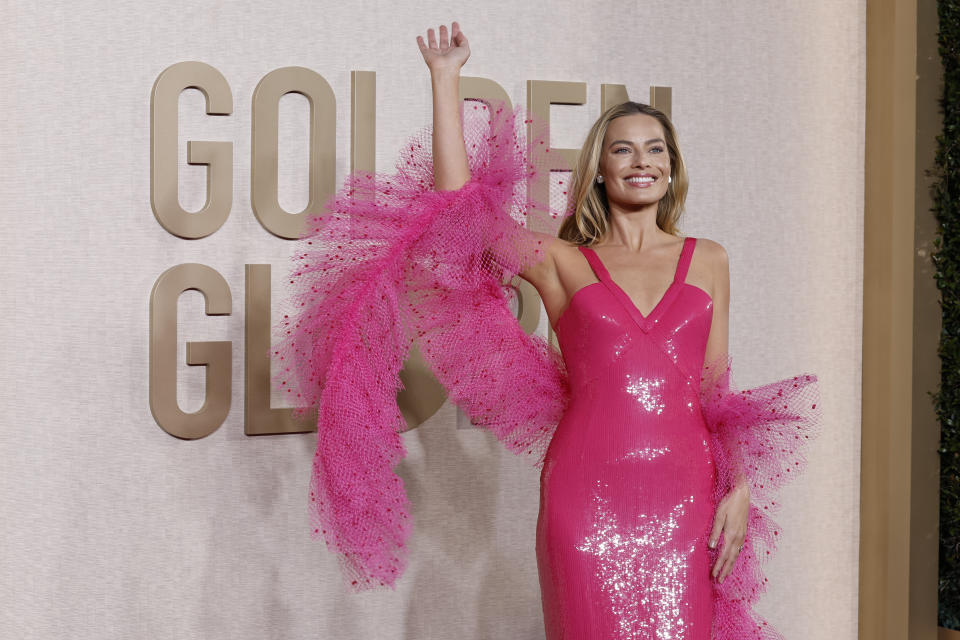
[946, 259]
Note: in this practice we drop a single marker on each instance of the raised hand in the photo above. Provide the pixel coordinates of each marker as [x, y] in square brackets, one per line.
[450, 54]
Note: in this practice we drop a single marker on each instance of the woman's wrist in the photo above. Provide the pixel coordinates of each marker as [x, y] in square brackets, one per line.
[742, 487]
[443, 76]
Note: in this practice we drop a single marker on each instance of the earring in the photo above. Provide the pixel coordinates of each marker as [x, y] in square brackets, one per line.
[669, 179]
[600, 179]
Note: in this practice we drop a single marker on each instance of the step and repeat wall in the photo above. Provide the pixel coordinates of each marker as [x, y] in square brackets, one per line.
[153, 486]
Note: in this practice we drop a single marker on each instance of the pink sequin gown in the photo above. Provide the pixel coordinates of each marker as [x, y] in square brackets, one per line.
[639, 438]
[627, 485]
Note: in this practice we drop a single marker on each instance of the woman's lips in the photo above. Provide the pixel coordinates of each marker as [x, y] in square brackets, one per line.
[643, 183]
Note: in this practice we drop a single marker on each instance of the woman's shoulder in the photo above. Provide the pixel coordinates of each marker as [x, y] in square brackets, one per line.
[560, 247]
[712, 251]
[547, 274]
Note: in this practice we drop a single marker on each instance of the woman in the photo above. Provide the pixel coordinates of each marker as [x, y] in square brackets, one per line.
[600, 461]
[652, 458]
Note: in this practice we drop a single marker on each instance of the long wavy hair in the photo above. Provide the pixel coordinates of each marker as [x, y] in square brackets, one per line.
[588, 198]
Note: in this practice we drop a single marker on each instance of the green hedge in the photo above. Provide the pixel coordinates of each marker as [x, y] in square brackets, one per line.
[946, 194]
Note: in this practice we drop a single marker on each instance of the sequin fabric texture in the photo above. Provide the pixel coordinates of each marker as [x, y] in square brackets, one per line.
[628, 481]
[637, 436]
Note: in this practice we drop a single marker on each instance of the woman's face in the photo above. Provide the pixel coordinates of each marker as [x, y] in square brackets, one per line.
[634, 161]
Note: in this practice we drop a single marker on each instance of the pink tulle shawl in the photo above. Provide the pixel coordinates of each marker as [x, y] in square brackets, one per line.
[391, 262]
[761, 435]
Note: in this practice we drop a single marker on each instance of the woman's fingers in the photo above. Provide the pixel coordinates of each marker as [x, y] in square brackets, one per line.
[729, 560]
[728, 556]
[731, 521]
[718, 520]
[731, 543]
[450, 52]
[721, 564]
[715, 572]
[447, 38]
[456, 36]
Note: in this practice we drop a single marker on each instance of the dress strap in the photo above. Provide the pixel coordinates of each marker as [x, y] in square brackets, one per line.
[598, 269]
[686, 254]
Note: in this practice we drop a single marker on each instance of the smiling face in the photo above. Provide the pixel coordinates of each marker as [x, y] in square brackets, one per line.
[634, 161]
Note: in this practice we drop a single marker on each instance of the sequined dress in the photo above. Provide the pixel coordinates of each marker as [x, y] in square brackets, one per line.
[627, 484]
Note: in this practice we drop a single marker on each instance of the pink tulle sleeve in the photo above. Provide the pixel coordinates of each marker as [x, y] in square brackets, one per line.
[393, 261]
[759, 435]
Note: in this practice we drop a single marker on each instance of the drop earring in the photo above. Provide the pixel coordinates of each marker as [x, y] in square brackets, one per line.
[669, 179]
[600, 179]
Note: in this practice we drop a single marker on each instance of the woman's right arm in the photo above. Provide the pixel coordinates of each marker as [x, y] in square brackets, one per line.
[444, 59]
[450, 167]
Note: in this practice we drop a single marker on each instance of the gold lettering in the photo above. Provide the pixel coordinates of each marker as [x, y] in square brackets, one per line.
[485, 90]
[259, 418]
[421, 396]
[363, 121]
[541, 94]
[662, 98]
[613, 94]
[263, 148]
[217, 156]
[215, 356]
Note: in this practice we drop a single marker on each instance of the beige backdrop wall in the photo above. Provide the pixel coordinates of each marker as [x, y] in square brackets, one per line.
[111, 528]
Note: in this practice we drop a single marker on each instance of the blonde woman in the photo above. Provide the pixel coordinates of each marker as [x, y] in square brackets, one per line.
[657, 478]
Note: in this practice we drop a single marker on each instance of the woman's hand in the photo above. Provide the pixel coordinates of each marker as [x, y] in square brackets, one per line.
[451, 168]
[450, 54]
[731, 519]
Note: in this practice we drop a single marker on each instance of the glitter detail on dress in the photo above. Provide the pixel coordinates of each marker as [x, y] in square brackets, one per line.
[638, 560]
[647, 393]
[647, 453]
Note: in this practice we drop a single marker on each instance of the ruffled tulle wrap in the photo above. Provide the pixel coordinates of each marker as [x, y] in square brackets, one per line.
[392, 262]
[760, 436]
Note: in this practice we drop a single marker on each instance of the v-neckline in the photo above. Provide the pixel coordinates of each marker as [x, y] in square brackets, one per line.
[644, 321]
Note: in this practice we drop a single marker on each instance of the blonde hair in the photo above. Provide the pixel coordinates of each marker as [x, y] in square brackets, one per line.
[588, 199]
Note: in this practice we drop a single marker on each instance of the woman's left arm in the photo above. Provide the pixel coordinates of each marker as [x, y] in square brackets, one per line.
[716, 258]
[732, 511]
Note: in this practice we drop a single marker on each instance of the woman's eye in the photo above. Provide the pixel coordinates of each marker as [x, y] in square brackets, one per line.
[656, 149]
[619, 149]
